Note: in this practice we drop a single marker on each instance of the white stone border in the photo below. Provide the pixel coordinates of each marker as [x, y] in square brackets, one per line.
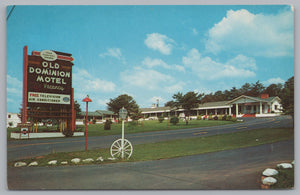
[42, 135]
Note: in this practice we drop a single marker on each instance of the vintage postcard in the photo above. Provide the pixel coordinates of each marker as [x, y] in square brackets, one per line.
[150, 97]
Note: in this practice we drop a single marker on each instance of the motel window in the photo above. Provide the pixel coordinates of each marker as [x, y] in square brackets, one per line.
[9, 116]
[276, 107]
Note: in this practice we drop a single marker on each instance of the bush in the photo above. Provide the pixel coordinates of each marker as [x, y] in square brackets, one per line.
[224, 117]
[68, 133]
[215, 118]
[174, 120]
[107, 124]
[210, 117]
[161, 119]
[228, 118]
[199, 117]
[233, 119]
[94, 121]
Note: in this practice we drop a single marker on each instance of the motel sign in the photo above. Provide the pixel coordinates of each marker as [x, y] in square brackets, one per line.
[47, 88]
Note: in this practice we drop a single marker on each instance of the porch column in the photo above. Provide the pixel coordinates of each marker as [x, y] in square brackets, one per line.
[236, 109]
[205, 111]
[260, 108]
[216, 112]
[230, 110]
[197, 112]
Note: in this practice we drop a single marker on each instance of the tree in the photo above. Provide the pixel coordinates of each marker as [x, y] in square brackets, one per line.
[187, 102]
[77, 108]
[257, 89]
[287, 99]
[245, 89]
[125, 101]
[274, 90]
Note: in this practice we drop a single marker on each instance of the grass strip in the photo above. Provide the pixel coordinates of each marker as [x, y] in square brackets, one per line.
[135, 127]
[180, 147]
[285, 179]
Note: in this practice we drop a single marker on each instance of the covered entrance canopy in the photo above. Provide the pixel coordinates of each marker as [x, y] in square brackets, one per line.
[247, 105]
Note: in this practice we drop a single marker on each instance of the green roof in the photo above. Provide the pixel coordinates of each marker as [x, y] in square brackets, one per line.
[105, 112]
[98, 113]
[90, 114]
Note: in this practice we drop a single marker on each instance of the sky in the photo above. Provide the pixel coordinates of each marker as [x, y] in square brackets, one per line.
[153, 52]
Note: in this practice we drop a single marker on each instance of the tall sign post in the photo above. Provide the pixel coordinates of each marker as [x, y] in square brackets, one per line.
[122, 114]
[121, 147]
[87, 100]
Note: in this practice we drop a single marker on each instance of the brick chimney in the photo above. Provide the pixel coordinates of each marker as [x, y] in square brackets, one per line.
[264, 96]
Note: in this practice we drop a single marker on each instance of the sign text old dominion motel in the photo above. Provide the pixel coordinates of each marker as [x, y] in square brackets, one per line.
[47, 88]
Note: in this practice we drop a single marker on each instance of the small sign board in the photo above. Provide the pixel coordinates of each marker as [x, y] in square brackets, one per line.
[24, 132]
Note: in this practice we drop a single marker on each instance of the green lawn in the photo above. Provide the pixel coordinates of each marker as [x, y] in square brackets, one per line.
[180, 147]
[136, 127]
[151, 125]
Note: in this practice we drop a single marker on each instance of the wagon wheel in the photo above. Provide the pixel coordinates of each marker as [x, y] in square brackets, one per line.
[116, 149]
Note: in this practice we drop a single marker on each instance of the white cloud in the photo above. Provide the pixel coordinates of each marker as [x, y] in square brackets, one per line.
[179, 86]
[160, 42]
[179, 68]
[207, 68]
[14, 86]
[273, 81]
[87, 83]
[195, 32]
[253, 34]
[113, 52]
[145, 78]
[150, 63]
[242, 61]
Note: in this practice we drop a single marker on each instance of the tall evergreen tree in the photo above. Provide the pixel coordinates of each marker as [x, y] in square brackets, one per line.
[287, 99]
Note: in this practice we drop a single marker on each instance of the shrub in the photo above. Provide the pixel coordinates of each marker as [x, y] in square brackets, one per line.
[199, 117]
[174, 120]
[161, 119]
[68, 133]
[233, 119]
[224, 117]
[228, 118]
[215, 117]
[107, 124]
[210, 117]
[94, 121]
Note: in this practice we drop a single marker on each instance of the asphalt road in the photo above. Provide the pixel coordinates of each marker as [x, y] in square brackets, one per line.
[20, 149]
[231, 169]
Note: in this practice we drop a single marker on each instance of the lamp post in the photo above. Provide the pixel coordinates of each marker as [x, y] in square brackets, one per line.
[122, 114]
[121, 147]
[87, 100]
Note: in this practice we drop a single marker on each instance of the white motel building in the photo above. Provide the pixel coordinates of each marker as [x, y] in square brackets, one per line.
[242, 106]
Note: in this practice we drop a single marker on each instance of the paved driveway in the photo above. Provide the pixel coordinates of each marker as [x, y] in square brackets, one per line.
[232, 169]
